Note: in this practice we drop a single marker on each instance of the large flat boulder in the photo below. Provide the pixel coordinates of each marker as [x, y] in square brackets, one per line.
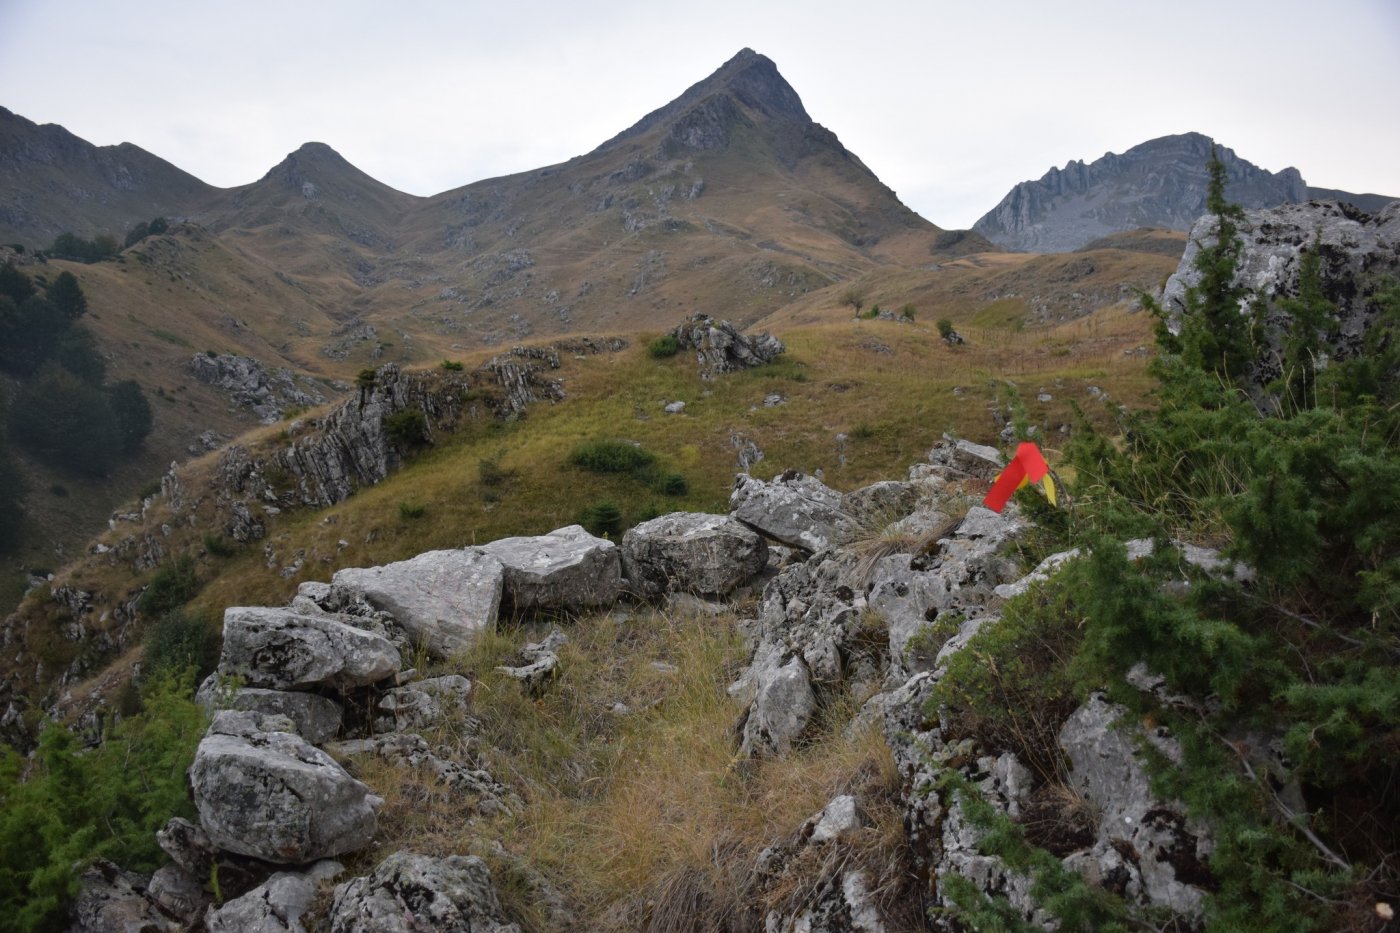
[280, 649]
[441, 598]
[272, 795]
[410, 892]
[793, 508]
[566, 568]
[691, 552]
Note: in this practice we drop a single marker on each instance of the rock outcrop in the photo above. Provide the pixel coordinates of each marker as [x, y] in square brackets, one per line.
[250, 384]
[720, 348]
[1358, 253]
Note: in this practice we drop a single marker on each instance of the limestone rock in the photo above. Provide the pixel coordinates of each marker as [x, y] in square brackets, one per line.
[408, 893]
[315, 718]
[782, 709]
[720, 348]
[841, 904]
[566, 568]
[252, 385]
[347, 447]
[542, 661]
[111, 900]
[273, 796]
[1042, 572]
[794, 508]
[276, 905]
[442, 598]
[187, 845]
[424, 703]
[964, 458]
[1358, 252]
[837, 820]
[879, 504]
[279, 649]
[1168, 862]
[690, 552]
[178, 893]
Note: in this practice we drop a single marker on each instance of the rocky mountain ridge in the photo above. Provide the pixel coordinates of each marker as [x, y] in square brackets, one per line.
[1160, 183]
[731, 189]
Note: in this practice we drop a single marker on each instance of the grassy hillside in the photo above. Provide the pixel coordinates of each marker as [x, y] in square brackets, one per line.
[858, 401]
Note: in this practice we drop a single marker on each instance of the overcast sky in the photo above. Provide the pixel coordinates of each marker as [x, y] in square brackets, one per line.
[951, 104]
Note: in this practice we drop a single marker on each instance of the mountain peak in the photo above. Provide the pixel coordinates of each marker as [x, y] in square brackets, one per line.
[1160, 183]
[699, 118]
[756, 80]
[320, 165]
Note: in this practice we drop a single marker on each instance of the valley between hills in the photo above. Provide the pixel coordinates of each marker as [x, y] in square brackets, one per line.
[342, 376]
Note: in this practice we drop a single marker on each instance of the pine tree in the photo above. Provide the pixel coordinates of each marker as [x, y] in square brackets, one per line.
[1216, 326]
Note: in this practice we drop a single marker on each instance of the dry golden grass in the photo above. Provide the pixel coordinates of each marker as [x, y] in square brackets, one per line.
[645, 819]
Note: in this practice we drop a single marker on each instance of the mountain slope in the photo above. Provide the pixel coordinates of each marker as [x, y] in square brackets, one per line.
[730, 192]
[1160, 183]
[728, 199]
[53, 182]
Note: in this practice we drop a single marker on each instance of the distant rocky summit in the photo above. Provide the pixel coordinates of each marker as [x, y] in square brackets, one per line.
[1160, 183]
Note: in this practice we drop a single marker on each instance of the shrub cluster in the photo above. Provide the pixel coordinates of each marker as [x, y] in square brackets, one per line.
[67, 806]
[608, 456]
[664, 347]
[1298, 479]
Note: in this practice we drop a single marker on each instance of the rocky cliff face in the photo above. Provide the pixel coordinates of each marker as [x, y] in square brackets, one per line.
[1161, 183]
